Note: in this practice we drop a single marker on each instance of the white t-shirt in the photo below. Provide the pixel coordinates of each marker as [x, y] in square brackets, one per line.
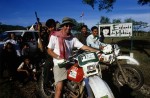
[29, 66]
[70, 44]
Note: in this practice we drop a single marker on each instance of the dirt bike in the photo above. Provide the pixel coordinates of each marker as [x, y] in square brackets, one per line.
[124, 68]
[81, 66]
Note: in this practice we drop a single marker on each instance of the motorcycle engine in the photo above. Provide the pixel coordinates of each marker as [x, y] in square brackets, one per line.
[72, 86]
[72, 89]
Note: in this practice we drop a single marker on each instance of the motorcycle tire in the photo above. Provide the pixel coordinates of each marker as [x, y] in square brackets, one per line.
[134, 76]
[42, 92]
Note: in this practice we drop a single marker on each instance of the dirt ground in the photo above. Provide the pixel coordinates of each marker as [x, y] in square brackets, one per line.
[13, 89]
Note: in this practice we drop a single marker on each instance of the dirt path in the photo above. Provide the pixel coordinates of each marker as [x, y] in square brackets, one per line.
[13, 89]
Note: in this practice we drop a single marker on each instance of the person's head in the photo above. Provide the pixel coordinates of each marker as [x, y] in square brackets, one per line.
[26, 60]
[84, 29]
[67, 24]
[94, 30]
[11, 35]
[51, 25]
[9, 45]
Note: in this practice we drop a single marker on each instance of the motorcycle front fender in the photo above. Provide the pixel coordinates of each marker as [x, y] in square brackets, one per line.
[129, 60]
[100, 88]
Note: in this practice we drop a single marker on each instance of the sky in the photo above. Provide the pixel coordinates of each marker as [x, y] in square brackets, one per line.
[22, 12]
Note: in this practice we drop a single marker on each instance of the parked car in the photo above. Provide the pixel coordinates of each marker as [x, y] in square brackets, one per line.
[24, 36]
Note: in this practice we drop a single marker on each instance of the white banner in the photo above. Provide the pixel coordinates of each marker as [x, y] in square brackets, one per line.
[116, 30]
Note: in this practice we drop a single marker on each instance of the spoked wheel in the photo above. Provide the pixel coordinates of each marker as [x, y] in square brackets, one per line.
[46, 91]
[134, 77]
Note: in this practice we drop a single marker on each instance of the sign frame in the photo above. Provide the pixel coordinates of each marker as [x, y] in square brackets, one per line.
[116, 30]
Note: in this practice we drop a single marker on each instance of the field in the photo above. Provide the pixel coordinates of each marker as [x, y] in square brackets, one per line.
[140, 48]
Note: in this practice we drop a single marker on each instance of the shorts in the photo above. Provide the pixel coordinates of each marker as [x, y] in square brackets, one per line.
[60, 74]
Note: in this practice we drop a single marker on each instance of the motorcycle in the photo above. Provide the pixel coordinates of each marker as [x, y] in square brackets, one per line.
[80, 66]
[123, 67]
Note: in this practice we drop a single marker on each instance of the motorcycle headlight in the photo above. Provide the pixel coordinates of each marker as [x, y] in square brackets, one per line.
[91, 68]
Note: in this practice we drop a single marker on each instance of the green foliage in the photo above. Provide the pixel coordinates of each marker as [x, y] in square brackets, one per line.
[137, 25]
[102, 4]
[90, 2]
[116, 21]
[4, 27]
[108, 4]
[143, 2]
[104, 20]
[78, 26]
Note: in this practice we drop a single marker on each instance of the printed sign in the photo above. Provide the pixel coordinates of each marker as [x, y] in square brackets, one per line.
[88, 57]
[116, 30]
[73, 72]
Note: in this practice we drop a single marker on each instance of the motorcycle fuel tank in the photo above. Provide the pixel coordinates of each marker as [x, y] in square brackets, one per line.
[75, 74]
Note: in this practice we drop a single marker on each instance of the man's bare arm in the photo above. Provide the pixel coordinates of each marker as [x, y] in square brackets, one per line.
[87, 48]
[51, 53]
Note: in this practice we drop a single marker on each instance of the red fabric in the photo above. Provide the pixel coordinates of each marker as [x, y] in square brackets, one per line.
[62, 45]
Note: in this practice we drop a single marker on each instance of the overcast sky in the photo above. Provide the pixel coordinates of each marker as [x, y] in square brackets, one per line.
[22, 12]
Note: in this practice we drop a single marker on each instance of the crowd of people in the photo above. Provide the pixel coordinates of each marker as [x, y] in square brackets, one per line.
[13, 53]
[58, 43]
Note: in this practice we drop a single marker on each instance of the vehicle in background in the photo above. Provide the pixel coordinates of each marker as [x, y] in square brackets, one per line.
[23, 36]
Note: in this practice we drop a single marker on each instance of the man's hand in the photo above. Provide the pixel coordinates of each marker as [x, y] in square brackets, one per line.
[101, 47]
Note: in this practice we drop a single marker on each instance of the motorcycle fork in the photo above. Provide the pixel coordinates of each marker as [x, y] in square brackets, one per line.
[122, 72]
[82, 87]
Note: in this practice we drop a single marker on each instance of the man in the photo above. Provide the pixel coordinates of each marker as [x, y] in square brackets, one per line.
[83, 35]
[60, 47]
[51, 26]
[93, 40]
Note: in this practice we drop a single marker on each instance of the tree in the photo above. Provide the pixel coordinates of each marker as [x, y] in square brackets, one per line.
[4, 27]
[116, 21]
[102, 4]
[108, 4]
[104, 20]
[137, 25]
[143, 2]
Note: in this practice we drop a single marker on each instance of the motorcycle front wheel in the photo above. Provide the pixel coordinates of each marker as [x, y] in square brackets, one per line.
[134, 77]
[45, 92]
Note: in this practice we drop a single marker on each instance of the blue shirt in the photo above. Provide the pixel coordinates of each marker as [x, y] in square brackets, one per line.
[94, 42]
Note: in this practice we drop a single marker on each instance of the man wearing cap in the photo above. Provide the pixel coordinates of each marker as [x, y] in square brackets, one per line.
[60, 47]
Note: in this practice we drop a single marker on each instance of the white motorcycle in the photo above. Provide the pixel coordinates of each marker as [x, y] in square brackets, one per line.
[124, 68]
[82, 66]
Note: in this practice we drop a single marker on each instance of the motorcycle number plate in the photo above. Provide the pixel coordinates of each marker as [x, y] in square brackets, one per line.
[86, 58]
